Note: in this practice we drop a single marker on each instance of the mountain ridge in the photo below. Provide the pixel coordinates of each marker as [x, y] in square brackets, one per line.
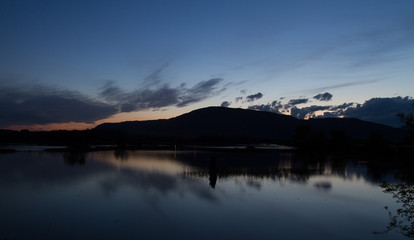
[216, 122]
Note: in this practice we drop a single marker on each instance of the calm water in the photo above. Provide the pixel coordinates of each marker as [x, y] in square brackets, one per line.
[187, 195]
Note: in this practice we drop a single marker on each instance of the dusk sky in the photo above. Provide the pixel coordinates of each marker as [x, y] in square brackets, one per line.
[75, 64]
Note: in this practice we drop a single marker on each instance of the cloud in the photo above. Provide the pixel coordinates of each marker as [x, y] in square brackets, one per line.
[254, 97]
[43, 105]
[342, 107]
[378, 110]
[323, 97]
[237, 99]
[275, 107]
[294, 102]
[342, 85]
[155, 77]
[393, 38]
[381, 110]
[199, 92]
[141, 99]
[307, 112]
[225, 104]
[163, 96]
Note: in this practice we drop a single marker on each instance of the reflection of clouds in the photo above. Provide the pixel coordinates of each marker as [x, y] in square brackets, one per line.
[144, 161]
[254, 184]
[155, 170]
[203, 192]
[323, 185]
[121, 154]
[158, 181]
[159, 171]
[74, 158]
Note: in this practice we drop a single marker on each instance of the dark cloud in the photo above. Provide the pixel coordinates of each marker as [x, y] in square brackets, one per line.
[381, 110]
[254, 97]
[305, 112]
[225, 104]
[342, 107]
[140, 99]
[199, 92]
[378, 110]
[42, 105]
[323, 97]
[294, 102]
[163, 96]
[275, 107]
[237, 99]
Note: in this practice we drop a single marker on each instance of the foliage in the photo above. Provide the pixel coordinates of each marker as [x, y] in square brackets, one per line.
[408, 119]
[403, 219]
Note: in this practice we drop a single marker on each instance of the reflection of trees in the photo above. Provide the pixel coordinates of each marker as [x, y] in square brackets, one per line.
[121, 154]
[74, 158]
[213, 172]
[298, 167]
[403, 219]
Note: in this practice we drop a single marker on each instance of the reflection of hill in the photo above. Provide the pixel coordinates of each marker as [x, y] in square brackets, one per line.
[269, 165]
[74, 158]
[160, 170]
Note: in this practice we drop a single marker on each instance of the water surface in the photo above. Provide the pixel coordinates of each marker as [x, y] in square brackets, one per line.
[190, 195]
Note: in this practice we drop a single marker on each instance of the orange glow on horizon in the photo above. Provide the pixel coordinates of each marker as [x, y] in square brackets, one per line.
[120, 117]
[53, 126]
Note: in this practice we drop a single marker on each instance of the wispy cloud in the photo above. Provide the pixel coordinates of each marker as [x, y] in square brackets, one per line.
[294, 102]
[199, 92]
[155, 78]
[342, 85]
[162, 96]
[382, 44]
[43, 105]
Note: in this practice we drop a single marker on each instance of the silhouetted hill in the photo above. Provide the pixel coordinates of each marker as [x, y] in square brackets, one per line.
[212, 122]
[217, 125]
[229, 124]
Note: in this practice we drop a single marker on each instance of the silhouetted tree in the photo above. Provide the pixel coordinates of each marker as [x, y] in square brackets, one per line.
[408, 119]
[403, 220]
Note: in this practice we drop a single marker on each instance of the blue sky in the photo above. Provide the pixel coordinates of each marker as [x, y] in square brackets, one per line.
[136, 60]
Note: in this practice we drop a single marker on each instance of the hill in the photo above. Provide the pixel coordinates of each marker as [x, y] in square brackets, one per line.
[218, 124]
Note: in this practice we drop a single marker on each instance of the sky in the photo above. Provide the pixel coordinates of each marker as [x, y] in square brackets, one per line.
[75, 64]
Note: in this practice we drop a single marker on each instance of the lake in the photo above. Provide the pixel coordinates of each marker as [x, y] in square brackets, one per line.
[192, 195]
